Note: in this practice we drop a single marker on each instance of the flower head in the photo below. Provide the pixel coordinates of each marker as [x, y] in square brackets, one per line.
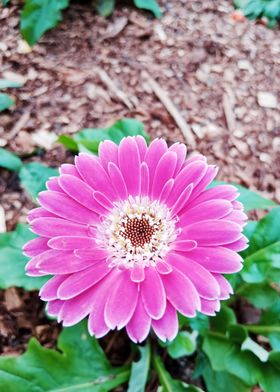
[135, 236]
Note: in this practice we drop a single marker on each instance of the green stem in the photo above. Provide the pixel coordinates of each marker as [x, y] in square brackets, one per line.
[161, 372]
[262, 329]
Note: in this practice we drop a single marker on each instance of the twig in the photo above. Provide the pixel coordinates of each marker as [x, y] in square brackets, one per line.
[109, 83]
[171, 108]
[230, 118]
[18, 125]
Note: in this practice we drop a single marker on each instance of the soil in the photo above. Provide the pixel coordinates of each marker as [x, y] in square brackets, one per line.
[214, 65]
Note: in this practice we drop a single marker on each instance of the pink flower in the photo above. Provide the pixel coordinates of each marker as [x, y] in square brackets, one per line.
[133, 237]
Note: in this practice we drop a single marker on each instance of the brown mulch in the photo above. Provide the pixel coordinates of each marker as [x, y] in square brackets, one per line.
[212, 66]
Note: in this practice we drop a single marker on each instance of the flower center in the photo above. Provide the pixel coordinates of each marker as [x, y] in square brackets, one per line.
[137, 232]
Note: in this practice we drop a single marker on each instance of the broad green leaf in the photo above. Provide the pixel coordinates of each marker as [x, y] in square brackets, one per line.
[33, 177]
[167, 382]
[79, 365]
[250, 199]
[9, 160]
[105, 7]
[225, 355]
[4, 83]
[264, 250]
[222, 381]
[260, 295]
[223, 319]
[140, 370]
[88, 139]
[150, 5]
[5, 102]
[183, 344]
[12, 261]
[38, 16]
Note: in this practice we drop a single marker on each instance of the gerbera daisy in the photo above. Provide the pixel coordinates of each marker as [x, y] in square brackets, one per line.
[133, 237]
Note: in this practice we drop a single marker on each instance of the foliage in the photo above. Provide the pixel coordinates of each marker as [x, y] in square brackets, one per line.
[39, 16]
[12, 261]
[79, 365]
[5, 100]
[88, 139]
[140, 370]
[255, 9]
[33, 175]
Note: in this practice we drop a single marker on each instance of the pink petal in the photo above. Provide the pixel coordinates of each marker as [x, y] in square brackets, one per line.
[80, 192]
[166, 190]
[76, 309]
[181, 152]
[108, 152]
[212, 232]
[71, 243]
[137, 274]
[217, 259]
[181, 292]
[153, 294]
[49, 291]
[142, 146]
[52, 227]
[225, 286]
[60, 262]
[63, 206]
[206, 286]
[94, 175]
[67, 168]
[101, 199]
[39, 212]
[96, 254]
[54, 307]
[210, 307]
[129, 163]
[238, 217]
[96, 322]
[139, 326]
[117, 181]
[35, 247]
[164, 171]
[145, 179]
[121, 302]
[52, 185]
[211, 209]
[78, 282]
[167, 327]
[208, 177]
[163, 268]
[226, 192]
[182, 200]
[184, 245]
[190, 174]
[155, 151]
[238, 245]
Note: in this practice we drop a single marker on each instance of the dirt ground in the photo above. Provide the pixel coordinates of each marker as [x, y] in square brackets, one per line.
[222, 74]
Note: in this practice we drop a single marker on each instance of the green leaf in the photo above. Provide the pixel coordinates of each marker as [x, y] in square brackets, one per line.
[140, 370]
[5, 2]
[264, 250]
[79, 365]
[33, 177]
[167, 382]
[183, 344]
[88, 139]
[222, 381]
[250, 199]
[150, 5]
[223, 319]
[260, 295]
[38, 16]
[9, 160]
[12, 261]
[4, 83]
[105, 7]
[5, 102]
